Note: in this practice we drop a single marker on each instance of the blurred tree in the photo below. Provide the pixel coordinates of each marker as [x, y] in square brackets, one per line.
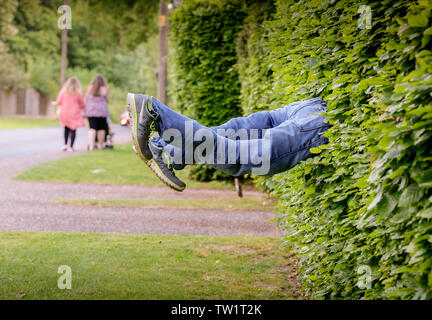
[11, 76]
[103, 37]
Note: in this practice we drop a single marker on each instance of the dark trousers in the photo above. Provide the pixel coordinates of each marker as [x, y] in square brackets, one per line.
[69, 133]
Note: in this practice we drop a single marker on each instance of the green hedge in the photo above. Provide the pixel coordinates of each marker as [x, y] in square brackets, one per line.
[204, 34]
[365, 200]
[254, 73]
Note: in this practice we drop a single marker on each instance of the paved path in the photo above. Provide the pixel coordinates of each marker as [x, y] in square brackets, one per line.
[19, 142]
[29, 206]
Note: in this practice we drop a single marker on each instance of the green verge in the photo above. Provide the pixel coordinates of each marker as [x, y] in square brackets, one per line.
[120, 266]
[117, 166]
[245, 204]
[9, 123]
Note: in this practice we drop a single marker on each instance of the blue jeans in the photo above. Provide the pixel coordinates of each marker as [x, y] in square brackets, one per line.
[265, 143]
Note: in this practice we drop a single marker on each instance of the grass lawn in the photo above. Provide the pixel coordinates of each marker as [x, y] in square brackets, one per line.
[206, 204]
[117, 166]
[7, 123]
[131, 266]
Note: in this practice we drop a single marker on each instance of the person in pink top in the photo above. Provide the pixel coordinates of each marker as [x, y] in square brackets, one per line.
[71, 102]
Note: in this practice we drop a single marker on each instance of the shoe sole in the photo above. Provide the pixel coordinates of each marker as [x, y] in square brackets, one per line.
[155, 169]
[134, 124]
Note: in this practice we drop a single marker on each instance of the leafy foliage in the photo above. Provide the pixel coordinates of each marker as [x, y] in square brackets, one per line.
[11, 75]
[254, 73]
[208, 88]
[105, 37]
[204, 35]
[365, 198]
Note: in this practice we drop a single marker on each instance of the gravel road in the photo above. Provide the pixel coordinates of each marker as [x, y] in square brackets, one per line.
[30, 206]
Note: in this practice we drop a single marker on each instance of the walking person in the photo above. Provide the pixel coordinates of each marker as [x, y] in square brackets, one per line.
[96, 111]
[265, 143]
[71, 117]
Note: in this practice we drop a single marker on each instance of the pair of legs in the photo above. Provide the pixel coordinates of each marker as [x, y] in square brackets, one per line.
[69, 133]
[97, 132]
[265, 143]
[109, 142]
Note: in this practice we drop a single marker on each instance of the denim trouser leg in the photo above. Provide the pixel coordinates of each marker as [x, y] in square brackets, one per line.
[292, 131]
[260, 120]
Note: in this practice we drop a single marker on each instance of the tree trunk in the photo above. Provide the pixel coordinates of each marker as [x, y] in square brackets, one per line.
[163, 51]
[63, 52]
[238, 187]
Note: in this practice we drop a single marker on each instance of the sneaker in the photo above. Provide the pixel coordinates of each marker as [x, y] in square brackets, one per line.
[65, 147]
[142, 123]
[163, 168]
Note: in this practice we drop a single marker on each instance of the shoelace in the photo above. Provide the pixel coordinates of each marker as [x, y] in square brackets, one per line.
[153, 126]
[154, 118]
[170, 168]
[165, 155]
